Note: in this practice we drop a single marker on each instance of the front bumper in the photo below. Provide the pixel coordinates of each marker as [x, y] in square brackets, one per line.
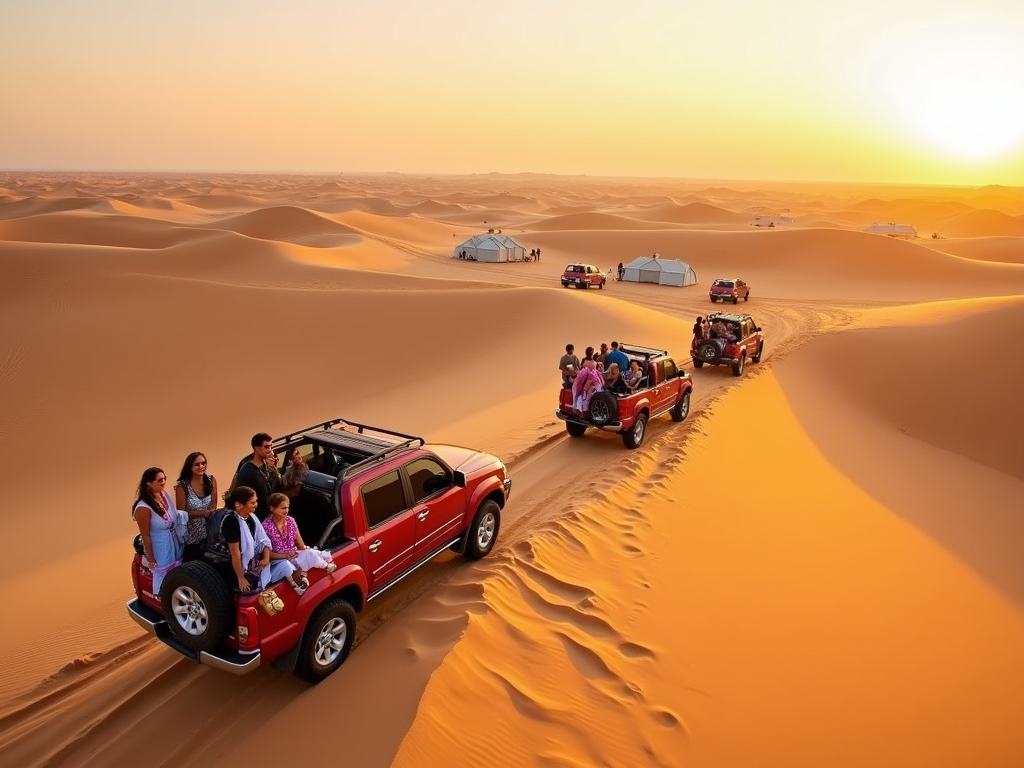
[223, 658]
[611, 426]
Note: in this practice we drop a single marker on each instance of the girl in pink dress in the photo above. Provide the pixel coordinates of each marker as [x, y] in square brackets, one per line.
[287, 544]
[588, 381]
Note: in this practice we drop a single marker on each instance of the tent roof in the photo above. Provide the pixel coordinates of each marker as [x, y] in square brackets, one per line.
[665, 265]
[490, 240]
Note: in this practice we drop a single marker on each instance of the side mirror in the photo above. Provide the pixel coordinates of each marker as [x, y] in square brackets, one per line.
[460, 479]
[758, 329]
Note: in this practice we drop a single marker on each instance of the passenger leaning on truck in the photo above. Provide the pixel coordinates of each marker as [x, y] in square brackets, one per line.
[161, 525]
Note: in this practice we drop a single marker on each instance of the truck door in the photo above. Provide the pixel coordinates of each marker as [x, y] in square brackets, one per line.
[665, 390]
[438, 505]
[390, 528]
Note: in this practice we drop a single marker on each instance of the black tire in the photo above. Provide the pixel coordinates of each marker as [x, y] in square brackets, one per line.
[714, 300]
[198, 605]
[698, 363]
[634, 436]
[737, 368]
[747, 297]
[756, 358]
[735, 299]
[584, 285]
[574, 429]
[706, 353]
[682, 408]
[483, 532]
[326, 641]
[603, 408]
[601, 284]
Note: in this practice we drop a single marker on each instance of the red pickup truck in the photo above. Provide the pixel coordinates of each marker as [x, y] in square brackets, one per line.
[662, 387]
[381, 502]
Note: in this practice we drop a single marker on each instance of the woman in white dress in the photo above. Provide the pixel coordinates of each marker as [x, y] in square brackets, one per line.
[161, 525]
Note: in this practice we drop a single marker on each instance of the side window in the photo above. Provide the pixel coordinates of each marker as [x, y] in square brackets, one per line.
[427, 476]
[383, 498]
[668, 370]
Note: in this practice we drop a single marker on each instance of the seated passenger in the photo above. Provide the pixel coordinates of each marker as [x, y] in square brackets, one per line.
[288, 551]
[633, 375]
[588, 381]
[613, 381]
[247, 541]
[291, 481]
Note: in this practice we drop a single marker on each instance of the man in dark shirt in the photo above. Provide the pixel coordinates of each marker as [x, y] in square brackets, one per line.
[257, 472]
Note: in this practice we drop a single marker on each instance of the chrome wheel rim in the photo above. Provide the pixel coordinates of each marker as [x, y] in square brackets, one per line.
[189, 611]
[684, 406]
[485, 531]
[330, 642]
[638, 430]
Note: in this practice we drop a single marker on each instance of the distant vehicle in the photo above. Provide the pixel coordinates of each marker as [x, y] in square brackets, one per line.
[729, 288]
[722, 351]
[382, 503]
[583, 276]
[665, 388]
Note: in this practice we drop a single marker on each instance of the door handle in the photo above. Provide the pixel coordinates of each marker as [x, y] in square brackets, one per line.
[423, 515]
[373, 547]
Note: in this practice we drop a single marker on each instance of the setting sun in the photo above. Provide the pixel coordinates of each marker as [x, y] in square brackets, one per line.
[957, 84]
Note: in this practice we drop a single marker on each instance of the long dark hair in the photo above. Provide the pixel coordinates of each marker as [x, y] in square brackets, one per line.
[143, 494]
[186, 473]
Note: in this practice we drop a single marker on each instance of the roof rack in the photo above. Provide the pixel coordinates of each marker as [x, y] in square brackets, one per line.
[326, 425]
[360, 436]
[647, 352]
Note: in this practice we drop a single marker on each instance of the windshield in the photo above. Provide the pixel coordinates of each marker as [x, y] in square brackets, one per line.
[723, 283]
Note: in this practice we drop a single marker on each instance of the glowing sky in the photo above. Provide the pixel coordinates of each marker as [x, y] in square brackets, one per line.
[898, 91]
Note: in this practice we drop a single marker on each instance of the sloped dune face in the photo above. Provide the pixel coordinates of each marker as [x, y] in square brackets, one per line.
[587, 221]
[982, 223]
[285, 223]
[693, 213]
[823, 557]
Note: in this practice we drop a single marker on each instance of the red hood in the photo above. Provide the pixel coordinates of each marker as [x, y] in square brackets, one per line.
[464, 459]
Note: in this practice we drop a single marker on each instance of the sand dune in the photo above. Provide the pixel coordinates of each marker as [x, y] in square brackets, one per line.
[287, 223]
[112, 230]
[693, 213]
[999, 249]
[850, 595]
[983, 223]
[587, 221]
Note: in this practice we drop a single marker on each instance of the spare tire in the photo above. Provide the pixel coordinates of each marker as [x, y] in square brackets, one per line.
[197, 605]
[603, 408]
[706, 352]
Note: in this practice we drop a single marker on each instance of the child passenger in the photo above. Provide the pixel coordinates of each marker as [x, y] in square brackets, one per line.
[287, 546]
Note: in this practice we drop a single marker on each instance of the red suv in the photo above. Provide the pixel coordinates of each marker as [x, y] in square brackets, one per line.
[729, 289]
[583, 276]
[380, 503]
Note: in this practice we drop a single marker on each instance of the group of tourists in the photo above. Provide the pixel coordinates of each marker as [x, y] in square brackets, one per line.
[604, 370]
[176, 527]
[719, 332]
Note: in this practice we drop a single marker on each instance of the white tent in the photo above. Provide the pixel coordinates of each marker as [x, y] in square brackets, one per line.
[490, 247]
[893, 230]
[652, 269]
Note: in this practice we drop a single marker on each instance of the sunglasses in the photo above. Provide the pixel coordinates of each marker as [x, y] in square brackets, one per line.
[161, 480]
[199, 464]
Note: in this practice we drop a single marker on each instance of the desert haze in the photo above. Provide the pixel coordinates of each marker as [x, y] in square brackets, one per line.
[820, 566]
